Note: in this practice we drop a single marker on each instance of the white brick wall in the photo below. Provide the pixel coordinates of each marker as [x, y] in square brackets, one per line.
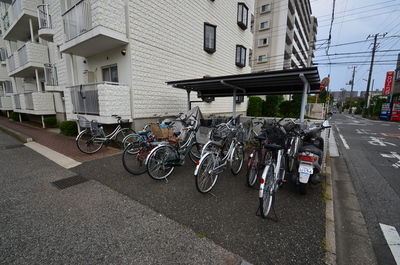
[43, 101]
[166, 39]
[114, 100]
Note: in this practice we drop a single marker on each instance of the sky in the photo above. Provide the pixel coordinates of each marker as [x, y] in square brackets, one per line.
[355, 24]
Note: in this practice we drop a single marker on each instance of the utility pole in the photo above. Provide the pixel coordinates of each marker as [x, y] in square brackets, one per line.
[366, 98]
[352, 85]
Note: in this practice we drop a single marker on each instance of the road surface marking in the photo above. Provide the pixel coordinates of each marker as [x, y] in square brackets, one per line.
[344, 141]
[391, 135]
[393, 155]
[393, 239]
[379, 141]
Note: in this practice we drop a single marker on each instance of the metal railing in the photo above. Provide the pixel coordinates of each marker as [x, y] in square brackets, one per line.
[85, 99]
[8, 86]
[11, 63]
[44, 17]
[23, 56]
[17, 101]
[77, 19]
[50, 74]
[29, 101]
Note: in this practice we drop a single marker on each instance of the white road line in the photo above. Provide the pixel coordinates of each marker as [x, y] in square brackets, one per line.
[344, 141]
[393, 239]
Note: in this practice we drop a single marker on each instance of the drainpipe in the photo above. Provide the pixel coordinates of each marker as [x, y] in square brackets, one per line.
[188, 100]
[304, 99]
[31, 29]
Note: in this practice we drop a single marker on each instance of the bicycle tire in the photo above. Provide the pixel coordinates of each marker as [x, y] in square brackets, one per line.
[205, 178]
[267, 198]
[253, 168]
[88, 143]
[130, 138]
[135, 161]
[195, 153]
[121, 135]
[237, 159]
[291, 157]
[156, 162]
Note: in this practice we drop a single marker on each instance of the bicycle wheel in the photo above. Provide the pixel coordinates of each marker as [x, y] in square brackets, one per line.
[282, 173]
[134, 159]
[291, 156]
[130, 138]
[267, 198]
[87, 143]
[252, 169]
[205, 177]
[237, 159]
[121, 135]
[195, 153]
[157, 166]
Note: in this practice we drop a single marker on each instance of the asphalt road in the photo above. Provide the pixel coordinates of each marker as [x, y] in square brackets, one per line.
[369, 149]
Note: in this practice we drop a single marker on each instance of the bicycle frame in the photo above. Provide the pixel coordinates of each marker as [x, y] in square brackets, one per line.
[275, 161]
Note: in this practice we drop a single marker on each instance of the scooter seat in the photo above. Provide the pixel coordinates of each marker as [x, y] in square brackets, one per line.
[310, 148]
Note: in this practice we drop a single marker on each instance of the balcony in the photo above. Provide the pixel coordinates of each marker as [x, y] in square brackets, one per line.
[36, 103]
[87, 24]
[51, 79]
[6, 103]
[29, 58]
[46, 31]
[99, 101]
[20, 18]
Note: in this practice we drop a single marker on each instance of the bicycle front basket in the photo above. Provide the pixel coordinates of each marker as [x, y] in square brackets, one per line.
[96, 129]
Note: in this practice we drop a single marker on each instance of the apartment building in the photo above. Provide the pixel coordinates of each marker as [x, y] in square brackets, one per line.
[284, 35]
[101, 57]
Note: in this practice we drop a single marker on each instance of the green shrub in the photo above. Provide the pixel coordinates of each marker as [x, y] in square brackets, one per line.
[14, 116]
[255, 107]
[50, 121]
[69, 128]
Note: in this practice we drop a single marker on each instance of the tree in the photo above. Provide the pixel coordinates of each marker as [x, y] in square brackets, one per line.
[255, 106]
[270, 108]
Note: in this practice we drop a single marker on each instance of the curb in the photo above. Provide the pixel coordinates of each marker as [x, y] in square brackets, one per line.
[330, 244]
[18, 135]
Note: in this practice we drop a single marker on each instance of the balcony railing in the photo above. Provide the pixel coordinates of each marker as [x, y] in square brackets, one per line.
[44, 17]
[17, 101]
[11, 63]
[22, 55]
[99, 98]
[8, 86]
[78, 19]
[50, 74]
[29, 101]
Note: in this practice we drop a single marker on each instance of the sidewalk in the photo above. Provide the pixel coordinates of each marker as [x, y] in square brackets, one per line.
[87, 223]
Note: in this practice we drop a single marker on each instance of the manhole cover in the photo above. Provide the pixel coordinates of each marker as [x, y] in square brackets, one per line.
[69, 182]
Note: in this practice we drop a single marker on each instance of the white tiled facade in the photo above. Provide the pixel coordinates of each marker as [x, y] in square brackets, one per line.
[150, 42]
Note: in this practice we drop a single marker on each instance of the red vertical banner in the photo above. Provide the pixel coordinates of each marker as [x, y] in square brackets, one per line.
[387, 90]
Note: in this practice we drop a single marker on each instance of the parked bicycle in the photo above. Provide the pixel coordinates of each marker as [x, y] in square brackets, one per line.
[293, 143]
[273, 175]
[92, 138]
[257, 158]
[138, 147]
[165, 157]
[214, 157]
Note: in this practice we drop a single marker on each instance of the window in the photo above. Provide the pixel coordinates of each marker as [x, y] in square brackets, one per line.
[239, 99]
[240, 56]
[262, 58]
[264, 25]
[265, 8]
[242, 18]
[110, 73]
[209, 38]
[262, 42]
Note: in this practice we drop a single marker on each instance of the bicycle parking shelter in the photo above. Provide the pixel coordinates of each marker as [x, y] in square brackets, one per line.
[294, 81]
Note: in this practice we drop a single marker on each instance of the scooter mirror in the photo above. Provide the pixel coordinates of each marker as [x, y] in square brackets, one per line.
[325, 123]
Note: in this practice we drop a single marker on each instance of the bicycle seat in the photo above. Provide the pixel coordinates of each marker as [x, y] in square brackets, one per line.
[173, 140]
[260, 137]
[273, 146]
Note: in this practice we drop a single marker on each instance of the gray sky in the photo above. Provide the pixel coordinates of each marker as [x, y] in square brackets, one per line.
[352, 33]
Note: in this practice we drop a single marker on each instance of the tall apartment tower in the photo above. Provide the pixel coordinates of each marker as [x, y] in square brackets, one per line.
[99, 58]
[284, 35]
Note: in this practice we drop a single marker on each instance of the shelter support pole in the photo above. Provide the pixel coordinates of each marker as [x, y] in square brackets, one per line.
[235, 88]
[188, 99]
[304, 99]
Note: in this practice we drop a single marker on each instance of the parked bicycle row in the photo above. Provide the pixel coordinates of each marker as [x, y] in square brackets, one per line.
[277, 148]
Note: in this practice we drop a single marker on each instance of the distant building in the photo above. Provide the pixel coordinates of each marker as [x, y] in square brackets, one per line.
[284, 35]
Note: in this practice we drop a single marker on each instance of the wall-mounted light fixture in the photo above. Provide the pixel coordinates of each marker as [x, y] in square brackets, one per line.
[123, 52]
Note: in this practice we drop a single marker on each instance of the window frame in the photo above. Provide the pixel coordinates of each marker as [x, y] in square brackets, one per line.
[265, 43]
[242, 17]
[262, 61]
[240, 57]
[267, 10]
[262, 28]
[110, 67]
[206, 41]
